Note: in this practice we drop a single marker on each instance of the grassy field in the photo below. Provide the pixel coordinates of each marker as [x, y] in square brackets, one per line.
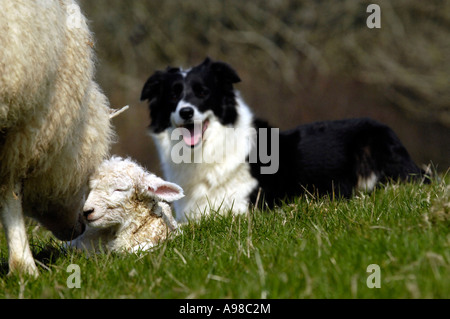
[305, 249]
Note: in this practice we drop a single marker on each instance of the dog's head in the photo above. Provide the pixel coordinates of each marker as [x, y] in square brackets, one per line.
[190, 99]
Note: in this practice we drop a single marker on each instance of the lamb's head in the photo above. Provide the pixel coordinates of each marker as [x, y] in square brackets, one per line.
[118, 186]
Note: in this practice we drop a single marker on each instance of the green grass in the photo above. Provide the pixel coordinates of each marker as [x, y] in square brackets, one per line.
[305, 249]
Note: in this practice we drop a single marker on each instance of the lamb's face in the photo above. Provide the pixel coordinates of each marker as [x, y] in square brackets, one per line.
[109, 200]
[116, 186]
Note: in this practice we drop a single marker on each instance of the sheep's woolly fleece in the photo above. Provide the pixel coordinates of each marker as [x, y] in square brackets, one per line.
[127, 208]
[54, 119]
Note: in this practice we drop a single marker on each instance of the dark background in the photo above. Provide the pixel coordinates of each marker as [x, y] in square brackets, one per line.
[299, 61]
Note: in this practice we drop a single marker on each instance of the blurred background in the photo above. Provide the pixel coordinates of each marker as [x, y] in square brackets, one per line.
[299, 61]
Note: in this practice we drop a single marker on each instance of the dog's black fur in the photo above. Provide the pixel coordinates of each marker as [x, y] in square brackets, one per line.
[329, 158]
[209, 86]
[321, 158]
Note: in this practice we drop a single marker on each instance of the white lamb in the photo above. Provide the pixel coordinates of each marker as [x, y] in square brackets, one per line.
[127, 208]
[54, 121]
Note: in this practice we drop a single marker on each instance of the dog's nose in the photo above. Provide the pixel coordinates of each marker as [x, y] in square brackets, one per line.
[87, 212]
[186, 113]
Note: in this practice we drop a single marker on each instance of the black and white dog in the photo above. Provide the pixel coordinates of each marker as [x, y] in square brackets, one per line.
[212, 146]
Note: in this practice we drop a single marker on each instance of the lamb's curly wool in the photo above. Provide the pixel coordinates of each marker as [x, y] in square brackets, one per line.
[127, 208]
[54, 120]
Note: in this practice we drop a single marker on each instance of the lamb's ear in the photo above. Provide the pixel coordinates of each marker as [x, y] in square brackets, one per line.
[162, 189]
[152, 86]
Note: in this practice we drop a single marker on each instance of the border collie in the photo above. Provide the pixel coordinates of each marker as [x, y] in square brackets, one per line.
[224, 158]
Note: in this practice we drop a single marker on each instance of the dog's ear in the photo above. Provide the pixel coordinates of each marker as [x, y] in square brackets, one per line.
[152, 87]
[222, 71]
[225, 72]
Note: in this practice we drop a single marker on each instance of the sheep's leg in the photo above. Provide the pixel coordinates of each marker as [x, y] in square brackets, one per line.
[20, 257]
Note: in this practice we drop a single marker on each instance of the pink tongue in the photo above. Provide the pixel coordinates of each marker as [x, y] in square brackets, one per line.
[193, 136]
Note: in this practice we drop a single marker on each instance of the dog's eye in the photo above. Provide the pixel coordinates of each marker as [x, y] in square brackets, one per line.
[176, 92]
[200, 91]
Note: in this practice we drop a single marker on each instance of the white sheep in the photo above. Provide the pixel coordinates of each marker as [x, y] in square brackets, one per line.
[54, 121]
[127, 208]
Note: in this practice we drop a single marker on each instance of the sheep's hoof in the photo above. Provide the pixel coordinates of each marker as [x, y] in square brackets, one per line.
[23, 268]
